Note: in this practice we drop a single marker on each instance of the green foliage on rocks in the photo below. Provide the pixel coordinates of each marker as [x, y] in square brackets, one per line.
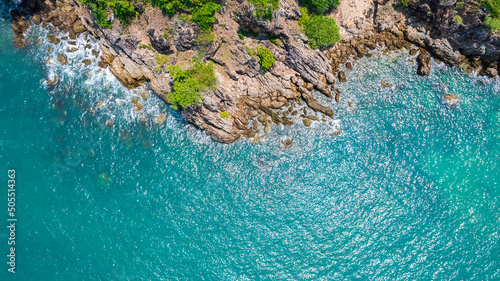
[320, 30]
[190, 83]
[202, 11]
[492, 24]
[458, 19]
[266, 57]
[224, 114]
[321, 6]
[493, 6]
[264, 8]
[122, 9]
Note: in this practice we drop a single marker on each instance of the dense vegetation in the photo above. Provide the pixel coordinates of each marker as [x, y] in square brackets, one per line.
[493, 22]
[264, 8]
[202, 11]
[266, 58]
[321, 6]
[122, 10]
[190, 83]
[321, 30]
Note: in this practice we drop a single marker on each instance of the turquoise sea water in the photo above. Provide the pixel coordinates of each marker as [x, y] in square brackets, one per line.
[409, 191]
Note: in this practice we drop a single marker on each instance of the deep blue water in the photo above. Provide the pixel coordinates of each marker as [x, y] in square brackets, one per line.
[409, 191]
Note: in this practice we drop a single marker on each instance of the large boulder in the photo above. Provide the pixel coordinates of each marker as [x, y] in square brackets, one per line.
[185, 37]
[424, 64]
[159, 42]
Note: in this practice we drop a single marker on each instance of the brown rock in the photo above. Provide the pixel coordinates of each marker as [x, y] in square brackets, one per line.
[342, 77]
[424, 64]
[87, 62]
[287, 143]
[307, 122]
[138, 107]
[36, 19]
[413, 52]
[62, 59]
[78, 27]
[54, 40]
[348, 65]
[385, 84]
[262, 119]
[309, 86]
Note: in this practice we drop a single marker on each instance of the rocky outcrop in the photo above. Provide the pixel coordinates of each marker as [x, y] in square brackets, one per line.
[185, 35]
[159, 42]
[253, 97]
[424, 63]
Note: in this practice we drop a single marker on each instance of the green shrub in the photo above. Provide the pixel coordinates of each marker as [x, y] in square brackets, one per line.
[189, 84]
[122, 10]
[458, 19]
[241, 36]
[404, 3]
[492, 24]
[321, 6]
[321, 31]
[305, 16]
[224, 114]
[202, 11]
[266, 57]
[205, 38]
[493, 6]
[264, 8]
[204, 15]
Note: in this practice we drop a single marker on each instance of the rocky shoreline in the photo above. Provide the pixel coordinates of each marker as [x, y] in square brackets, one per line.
[139, 53]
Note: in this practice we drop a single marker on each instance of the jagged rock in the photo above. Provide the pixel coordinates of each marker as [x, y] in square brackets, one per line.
[348, 65]
[159, 42]
[307, 122]
[342, 77]
[330, 78]
[384, 84]
[491, 72]
[314, 104]
[19, 27]
[87, 62]
[78, 27]
[451, 100]
[424, 64]
[185, 37]
[287, 143]
[54, 40]
[62, 59]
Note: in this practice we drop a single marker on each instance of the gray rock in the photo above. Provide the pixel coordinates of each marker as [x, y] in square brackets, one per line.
[159, 42]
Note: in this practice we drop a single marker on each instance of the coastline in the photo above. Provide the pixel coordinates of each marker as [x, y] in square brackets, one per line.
[255, 98]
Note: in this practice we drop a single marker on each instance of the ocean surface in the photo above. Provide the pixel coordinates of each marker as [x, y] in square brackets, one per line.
[409, 191]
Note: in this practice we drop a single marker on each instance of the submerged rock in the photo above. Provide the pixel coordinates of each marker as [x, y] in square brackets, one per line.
[384, 84]
[451, 100]
[287, 143]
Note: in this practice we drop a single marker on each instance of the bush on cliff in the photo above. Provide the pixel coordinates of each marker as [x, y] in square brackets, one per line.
[202, 11]
[320, 30]
[321, 6]
[122, 10]
[189, 84]
[264, 8]
[492, 24]
[266, 57]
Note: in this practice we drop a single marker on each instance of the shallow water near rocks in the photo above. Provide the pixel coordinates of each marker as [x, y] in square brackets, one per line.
[410, 190]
